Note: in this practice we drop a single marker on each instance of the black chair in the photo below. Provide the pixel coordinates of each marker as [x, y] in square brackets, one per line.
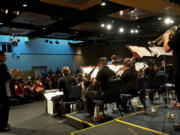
[110, 94]
[156, 85]
[74, 96]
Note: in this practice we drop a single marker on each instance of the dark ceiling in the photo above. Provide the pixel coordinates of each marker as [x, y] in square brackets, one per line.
[41, 19]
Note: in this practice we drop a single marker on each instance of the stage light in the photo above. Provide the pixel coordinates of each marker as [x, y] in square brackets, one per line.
[102, 25]
[121, 12]
[167, 21]
[121, 30]
[172, 21]
[132, 11]
[50, 42]
[57, 42]
[1, 23]
[136, 31]
[6, 11]
[24, 5]
[103, 3]
[43, 28]
[46, 41]
[159, 18]
[109, 26]
[17, 13]
[131, 31]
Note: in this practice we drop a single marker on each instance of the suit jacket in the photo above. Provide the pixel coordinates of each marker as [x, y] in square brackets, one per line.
[4, 77]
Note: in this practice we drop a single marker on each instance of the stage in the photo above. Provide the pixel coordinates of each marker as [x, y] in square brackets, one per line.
[138, 123]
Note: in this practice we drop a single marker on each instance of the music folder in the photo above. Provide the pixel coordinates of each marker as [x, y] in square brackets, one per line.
[139, 52]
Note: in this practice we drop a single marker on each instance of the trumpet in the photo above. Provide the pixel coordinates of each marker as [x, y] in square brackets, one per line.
[159, 41]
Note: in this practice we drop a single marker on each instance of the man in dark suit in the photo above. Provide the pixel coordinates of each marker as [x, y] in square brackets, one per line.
[5, 92]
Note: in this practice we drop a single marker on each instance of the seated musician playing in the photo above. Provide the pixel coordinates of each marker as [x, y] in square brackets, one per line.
[129, 77]
[103, 75]
[64, 85]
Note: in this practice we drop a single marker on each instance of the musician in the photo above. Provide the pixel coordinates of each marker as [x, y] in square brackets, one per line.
[64, 85]
[128, 77]
[173, 44]
[101, 79]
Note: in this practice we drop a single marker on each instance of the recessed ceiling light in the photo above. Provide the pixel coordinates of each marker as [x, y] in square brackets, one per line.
[17, 13]
[136, 31]
[109, 26]
[24, 5]
[159, 18]
[132, 11]
[131, 31]
[121, 30]
[167, 20]
[121, 12]
[43, 28]
[102, 25]
[6, 11]
[103, 3]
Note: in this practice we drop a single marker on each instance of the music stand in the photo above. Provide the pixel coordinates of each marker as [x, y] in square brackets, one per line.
[159, 51]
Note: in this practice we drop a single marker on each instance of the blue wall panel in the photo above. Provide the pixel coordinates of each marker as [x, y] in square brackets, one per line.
[37, 52]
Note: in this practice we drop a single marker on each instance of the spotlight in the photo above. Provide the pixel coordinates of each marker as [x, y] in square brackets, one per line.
[121, 12]
[103, 3]
[109, 26]
[172, 21]
[131, 31]
[102, 25]
[6, 11]
[17, 13]
[136, 31]
[168, 21]
[132, 11]
[159, 18]
[121, 30]
[43, 28]
[24, 5]
[1, 23]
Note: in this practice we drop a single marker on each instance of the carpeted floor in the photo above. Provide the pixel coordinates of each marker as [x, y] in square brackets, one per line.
[31, 119]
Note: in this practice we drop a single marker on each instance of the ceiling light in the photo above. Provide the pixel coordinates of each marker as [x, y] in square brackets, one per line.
[6, 11]
[121, 30]
[136, 31]
[109, 26]
[24, 5]
[103, 3]
[172, 21]
[43, 28]
[102, 25]
[131, 31]
[1, 23]
[138, 26]
[136, 17]
[132, 11]
[17, 13]
[159, 18]
[121, 12]
[167, 20]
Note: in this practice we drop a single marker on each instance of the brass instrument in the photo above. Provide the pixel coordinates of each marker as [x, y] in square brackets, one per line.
[159, 41]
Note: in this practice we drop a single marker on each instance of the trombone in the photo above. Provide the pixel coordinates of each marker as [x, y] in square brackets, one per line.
[159, 41]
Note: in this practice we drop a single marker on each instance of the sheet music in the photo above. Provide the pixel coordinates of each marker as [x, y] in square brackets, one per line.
[94, 74]
[160, 51]
[87, 69]
[140, 65]
[141, 51]
[115, 68]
